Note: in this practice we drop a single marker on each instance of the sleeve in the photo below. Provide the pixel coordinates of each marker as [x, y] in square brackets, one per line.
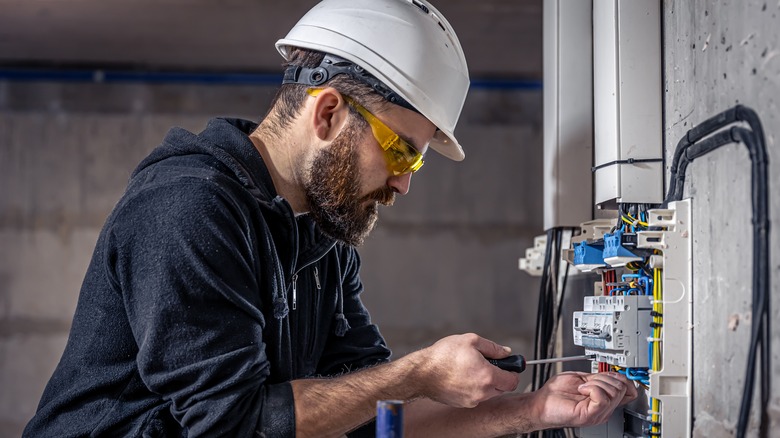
[189, 279]
[362, 345]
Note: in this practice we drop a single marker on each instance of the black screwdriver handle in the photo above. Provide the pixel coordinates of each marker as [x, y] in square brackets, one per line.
[514, 363]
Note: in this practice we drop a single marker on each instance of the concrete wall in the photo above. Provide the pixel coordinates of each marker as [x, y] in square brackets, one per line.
[235, 34]
[66, 152]
[719, 54]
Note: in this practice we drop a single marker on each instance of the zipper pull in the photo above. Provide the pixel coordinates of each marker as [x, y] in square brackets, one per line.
[295, 291]
[317, 278]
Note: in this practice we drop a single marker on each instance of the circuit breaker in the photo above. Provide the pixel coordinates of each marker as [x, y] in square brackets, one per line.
[615, 329]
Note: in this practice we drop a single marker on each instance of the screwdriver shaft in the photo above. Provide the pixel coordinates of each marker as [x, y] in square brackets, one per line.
[561, 359]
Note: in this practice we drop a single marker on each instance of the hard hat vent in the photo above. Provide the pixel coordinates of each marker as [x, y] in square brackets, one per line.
[422, 7]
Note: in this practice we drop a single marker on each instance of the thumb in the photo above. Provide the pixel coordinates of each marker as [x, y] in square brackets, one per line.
[491, 350]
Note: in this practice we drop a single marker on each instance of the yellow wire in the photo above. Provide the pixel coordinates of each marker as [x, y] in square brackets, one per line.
[656, 365]
[631, 222]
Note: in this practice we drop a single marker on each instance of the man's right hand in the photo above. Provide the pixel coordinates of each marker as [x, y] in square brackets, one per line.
[454, 371]
[574, 399]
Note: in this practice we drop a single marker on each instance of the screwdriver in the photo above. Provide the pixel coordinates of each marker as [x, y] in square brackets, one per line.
[517, 363]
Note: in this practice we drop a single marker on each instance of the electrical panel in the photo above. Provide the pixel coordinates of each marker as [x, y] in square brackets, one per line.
[640, 323]
[603, 61]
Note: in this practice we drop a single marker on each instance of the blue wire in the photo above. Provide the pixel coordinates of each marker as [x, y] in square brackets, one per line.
[650, 354]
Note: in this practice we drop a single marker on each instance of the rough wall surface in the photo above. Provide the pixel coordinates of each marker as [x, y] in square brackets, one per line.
[718, 54]
[234, 34]
[442, 260]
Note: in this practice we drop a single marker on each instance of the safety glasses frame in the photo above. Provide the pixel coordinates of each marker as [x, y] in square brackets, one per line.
[401, 156]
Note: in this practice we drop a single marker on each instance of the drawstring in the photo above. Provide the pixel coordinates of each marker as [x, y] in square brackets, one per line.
[342, 325]
[280, 307]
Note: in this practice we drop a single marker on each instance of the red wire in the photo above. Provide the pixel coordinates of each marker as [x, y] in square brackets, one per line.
[608, 278]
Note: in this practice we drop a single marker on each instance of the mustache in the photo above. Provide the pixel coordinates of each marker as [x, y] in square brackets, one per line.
[384, 196]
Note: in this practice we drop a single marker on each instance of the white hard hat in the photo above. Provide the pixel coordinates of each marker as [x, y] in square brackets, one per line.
[406, 44]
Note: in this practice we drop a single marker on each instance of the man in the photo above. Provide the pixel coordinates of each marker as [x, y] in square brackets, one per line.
[223, 297]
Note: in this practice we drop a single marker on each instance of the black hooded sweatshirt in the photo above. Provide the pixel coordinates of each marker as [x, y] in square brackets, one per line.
[204, 298]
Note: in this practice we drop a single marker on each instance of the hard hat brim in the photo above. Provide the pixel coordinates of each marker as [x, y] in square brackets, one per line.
[447, 145]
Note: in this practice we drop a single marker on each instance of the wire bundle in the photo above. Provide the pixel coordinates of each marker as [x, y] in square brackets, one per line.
[654, 347]
[628, 212]
[700, 140]
[551, 298]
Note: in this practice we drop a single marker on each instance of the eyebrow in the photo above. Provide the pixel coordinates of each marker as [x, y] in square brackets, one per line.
[407, 139]
[403, 136]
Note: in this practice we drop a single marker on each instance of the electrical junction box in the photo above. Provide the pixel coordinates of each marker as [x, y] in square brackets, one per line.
[627, 96]
[615, 329]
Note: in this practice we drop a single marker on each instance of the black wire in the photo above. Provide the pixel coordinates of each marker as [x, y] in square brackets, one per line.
[540, 311]
[548, 313]
[559, 309]
[697, 133]
[544, 316]
[760, 176]
[689, 148]
[549, 316]
[540, 305]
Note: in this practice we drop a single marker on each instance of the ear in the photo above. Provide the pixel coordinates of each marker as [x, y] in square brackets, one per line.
[328, 115]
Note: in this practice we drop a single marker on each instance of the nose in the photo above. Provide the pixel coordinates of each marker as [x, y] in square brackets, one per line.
[400, 183]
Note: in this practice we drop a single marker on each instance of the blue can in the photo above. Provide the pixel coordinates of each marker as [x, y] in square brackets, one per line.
[389, 419]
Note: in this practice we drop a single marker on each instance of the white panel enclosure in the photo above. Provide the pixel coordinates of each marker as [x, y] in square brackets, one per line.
[568, 112]
[627, 101]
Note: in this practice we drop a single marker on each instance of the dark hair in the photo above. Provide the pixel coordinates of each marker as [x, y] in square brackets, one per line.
[289, 99]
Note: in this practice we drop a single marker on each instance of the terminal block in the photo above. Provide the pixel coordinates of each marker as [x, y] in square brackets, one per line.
[588, 256]
[620, 248]
[591, 232]
[615, 329]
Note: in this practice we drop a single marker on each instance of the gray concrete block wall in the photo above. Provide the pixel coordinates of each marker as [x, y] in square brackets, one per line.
[718, 54]
[67, 150]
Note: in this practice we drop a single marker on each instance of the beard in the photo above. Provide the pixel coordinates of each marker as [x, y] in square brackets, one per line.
[333, 190]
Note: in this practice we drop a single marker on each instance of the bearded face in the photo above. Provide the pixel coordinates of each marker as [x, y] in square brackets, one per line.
[333, 189]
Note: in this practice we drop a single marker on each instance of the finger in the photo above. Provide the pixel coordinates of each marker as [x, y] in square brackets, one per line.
[617, 380]
[599, 408]
[631, 394]
[631, 391]
[607, 394]
[490, 349]
[506, 381]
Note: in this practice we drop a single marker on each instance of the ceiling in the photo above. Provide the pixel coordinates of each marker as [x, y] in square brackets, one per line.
[501, 38]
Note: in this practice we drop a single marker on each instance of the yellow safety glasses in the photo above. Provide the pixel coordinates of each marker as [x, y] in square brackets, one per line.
[401, 157]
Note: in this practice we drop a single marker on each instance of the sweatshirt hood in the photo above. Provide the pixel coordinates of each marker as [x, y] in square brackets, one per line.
[228, 141]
